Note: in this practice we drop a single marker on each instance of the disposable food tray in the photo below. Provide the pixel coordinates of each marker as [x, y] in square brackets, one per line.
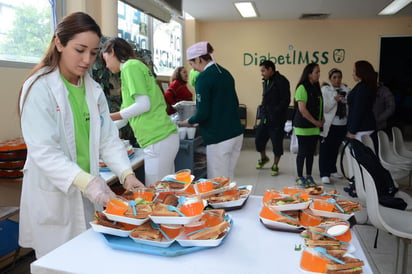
[127, 244]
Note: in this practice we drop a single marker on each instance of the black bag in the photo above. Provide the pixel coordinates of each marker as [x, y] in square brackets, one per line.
[385, 186]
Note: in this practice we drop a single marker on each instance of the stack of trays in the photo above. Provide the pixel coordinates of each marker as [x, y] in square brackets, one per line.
[12, 158]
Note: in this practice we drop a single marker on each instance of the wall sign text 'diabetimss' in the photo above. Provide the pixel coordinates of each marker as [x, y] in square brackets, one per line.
[295, 57]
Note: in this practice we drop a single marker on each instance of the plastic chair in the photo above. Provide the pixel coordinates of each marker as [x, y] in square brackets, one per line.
[367, 141]
[399, 146]
[396, 222]
[397, 166]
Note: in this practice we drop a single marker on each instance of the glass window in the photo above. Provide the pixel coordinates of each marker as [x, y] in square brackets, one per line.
[167, 46]
[164, 40]
[26, 27]
[133, 25]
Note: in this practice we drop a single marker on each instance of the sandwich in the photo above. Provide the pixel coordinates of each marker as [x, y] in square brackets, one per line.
[221, 182]
[170, 199]
[351, 266]
[317, 190]
[169, 185]
[160, 209]
[211, 233]
[327, 244]
[101, 219]
[146, 232]
[347, 206]
[142, 211]
[219, 198]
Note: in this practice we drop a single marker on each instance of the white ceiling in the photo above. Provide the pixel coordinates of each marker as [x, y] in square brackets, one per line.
[224, 10]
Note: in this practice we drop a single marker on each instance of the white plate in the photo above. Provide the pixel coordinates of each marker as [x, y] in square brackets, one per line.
[125, 219]
[162, 243]
[298, 206]
[217, 191]
[185, 242]
[110, 230]
[174, 220]
[233, 203]
[280, 225]
[330, 214]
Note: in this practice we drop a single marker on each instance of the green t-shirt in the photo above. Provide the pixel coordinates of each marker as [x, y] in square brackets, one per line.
[154, 125]
[302, 95]
[192, 77]
[81, 118]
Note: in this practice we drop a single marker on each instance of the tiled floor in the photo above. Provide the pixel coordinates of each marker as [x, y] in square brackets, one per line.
[380, 258]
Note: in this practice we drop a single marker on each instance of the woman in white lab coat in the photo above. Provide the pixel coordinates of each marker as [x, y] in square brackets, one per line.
[67, 127]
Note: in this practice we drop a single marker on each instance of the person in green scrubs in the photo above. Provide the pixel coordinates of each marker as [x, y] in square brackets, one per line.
[144, 106]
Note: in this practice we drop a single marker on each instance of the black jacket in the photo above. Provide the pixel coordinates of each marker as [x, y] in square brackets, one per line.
[360, 113]
[275, 100]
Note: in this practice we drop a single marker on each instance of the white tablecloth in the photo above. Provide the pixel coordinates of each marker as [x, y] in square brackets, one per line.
[250, 248]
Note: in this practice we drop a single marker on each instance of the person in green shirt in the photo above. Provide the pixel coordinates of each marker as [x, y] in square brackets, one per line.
[192, 77]
[144, 106]
[308, 121]
[217, 112]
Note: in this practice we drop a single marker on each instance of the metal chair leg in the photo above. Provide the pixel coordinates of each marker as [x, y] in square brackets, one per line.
[406, 243]
[397, 263]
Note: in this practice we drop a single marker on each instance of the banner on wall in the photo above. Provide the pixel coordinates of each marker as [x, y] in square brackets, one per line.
[296, 57]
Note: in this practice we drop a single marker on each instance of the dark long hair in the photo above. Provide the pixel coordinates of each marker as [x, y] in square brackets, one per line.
[71, 25]
[365, 71]
[121, 48]
[304, 78]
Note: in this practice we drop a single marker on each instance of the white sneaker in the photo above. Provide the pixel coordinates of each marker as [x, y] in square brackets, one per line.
[325, 180]
[336, 175]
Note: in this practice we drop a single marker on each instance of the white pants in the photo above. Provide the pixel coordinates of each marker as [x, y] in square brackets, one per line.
[159, 159]
[222, 157]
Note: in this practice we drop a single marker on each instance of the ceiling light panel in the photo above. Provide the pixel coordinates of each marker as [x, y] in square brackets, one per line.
[246, 9]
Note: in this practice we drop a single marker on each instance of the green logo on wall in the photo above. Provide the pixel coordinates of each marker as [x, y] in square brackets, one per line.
[338, 55]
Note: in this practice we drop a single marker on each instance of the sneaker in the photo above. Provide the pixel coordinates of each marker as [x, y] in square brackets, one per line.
[336, 175]
[310, 182]
[261, 163]
[325, 180]
[301, 181]
[275, 170]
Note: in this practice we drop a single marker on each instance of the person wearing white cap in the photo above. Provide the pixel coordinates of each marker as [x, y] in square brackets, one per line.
[217, 113]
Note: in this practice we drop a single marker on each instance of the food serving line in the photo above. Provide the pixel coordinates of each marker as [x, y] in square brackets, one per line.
[250, 247]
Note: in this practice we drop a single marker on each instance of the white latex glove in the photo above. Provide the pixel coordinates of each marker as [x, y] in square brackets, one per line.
[98, 192]
[131, 183]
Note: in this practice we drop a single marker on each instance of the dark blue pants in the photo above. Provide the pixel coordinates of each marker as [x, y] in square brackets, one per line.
[329, 150]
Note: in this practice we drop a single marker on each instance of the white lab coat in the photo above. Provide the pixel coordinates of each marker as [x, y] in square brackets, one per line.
[52, 209]
[330, 105]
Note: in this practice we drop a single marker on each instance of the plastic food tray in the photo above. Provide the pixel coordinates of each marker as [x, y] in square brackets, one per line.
[127, 244]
